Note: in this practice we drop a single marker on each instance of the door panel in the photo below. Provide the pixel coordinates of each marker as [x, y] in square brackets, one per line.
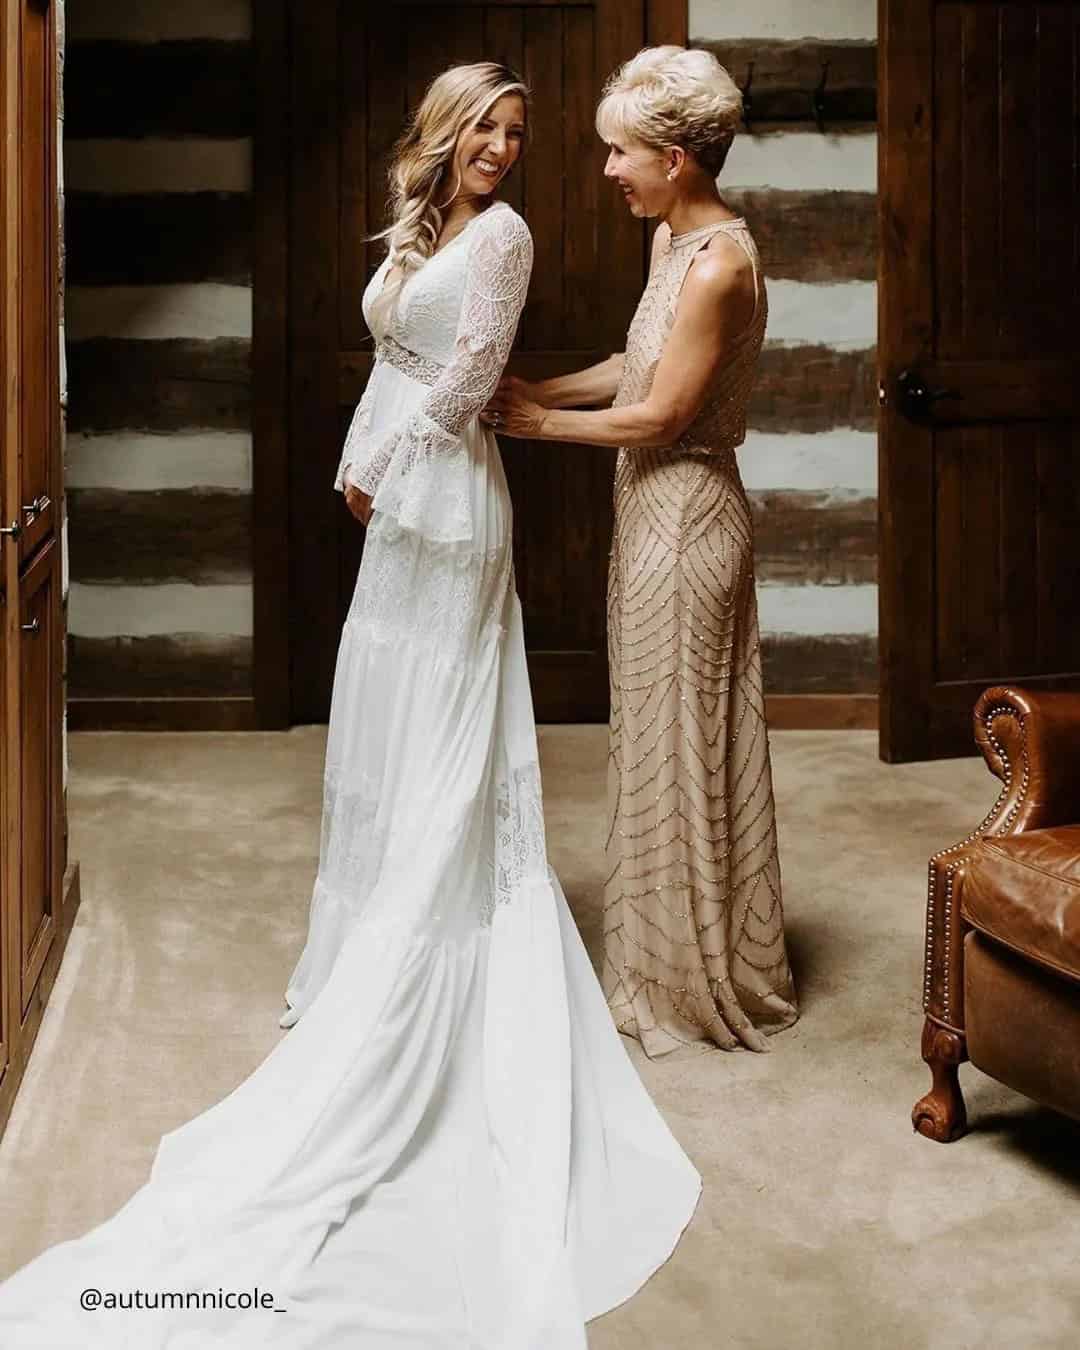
[36, 508]
[979, 283]
[40, 775]
[588, 274]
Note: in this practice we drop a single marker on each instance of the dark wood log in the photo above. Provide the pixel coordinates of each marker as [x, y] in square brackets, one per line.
[159, 237]
[796, 664]
[200, 535]
[798, 388]
[812, 236]
[187, 665]
[811, 388]
[198, 88]
[785, 76]
[810, 537]
[168, 385]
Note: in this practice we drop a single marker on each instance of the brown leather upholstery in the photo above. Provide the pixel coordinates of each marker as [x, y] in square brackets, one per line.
[1024, 891]
[1002, 977]
[1023, 1025]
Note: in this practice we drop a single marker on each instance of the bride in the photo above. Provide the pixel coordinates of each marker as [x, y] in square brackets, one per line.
[450, 1147]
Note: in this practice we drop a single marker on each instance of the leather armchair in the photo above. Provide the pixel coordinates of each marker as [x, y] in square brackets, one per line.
[1002, 971]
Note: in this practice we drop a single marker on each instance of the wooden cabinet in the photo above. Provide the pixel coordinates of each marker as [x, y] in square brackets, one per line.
[38, 889]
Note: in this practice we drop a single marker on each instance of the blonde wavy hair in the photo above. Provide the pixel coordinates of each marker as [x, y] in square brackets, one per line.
[423, 160]
[667, 96]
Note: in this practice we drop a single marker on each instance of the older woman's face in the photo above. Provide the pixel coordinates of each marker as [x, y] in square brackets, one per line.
[488, 151]
[641, 174]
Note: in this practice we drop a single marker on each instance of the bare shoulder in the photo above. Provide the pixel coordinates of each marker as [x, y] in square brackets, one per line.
[722, 272]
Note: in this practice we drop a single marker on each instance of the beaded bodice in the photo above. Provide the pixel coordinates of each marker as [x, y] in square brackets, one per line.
[720, 425]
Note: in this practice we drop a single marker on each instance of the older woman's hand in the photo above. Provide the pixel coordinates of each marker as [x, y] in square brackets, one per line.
[512, 412]
[359, 503]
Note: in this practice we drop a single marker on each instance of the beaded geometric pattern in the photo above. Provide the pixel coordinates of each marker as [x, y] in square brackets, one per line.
[694, 932]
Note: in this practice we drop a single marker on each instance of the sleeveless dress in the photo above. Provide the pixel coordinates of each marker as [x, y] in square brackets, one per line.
[450, 1148]
[693, 931]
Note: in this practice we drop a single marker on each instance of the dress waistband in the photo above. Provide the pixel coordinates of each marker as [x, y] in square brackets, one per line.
[410, 363]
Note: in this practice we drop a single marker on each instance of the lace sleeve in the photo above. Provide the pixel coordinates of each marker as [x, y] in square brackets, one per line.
[358, 430]
[418, 471]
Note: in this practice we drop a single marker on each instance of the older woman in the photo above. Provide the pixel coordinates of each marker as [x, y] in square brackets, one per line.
[694, 935]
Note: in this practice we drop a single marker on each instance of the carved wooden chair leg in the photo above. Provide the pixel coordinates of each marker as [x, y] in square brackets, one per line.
[941, 1114]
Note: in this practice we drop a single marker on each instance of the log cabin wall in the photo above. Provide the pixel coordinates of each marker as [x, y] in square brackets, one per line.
[809, 191]
[159, 327]
[158, 149]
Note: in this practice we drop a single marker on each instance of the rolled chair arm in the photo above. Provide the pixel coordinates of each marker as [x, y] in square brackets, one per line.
[1031, 741]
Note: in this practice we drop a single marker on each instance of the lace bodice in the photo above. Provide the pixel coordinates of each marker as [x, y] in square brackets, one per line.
[720, 425]
[452, 330]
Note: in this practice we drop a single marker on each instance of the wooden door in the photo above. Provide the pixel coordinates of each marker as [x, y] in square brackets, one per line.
[38, 492]
[40, 766]
[35, 913]
[357, 70]
[979, 315]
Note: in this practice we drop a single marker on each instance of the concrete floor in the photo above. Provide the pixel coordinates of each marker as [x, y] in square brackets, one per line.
[824, 1223]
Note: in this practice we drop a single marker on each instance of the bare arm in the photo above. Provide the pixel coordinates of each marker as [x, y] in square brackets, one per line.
[715, 306]
[593, 387]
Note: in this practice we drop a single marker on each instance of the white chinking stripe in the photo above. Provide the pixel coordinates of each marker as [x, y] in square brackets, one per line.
[833, 20]
[841, 315]
[135, 461]
[841, 461]
[99, 611]
[153, 21]
[199, 310]
[158, 164]
[802, 161]
[166, 610]
[817, 611]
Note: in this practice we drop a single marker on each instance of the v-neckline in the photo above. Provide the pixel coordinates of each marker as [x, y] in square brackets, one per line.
[495, 205]
[466, 228]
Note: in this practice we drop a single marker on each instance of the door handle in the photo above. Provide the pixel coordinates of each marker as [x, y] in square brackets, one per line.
[14, 529]
[36, 507]
[34, 626]
[917, 399]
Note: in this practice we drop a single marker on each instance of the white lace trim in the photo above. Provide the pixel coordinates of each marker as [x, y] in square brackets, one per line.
[353, 845]
[442, 596]
[357, 432]
[418, 471]
[520, 844]
[417, 367]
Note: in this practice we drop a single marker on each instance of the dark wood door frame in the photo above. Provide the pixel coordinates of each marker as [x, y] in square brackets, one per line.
[272, 372]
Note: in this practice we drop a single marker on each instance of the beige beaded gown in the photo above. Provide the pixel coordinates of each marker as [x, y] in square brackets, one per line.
[693, 919]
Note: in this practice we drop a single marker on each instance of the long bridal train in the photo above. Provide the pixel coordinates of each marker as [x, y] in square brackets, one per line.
[450, 1147]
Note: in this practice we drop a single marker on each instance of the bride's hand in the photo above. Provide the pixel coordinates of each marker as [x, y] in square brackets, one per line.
[359, 503]
[512, 412]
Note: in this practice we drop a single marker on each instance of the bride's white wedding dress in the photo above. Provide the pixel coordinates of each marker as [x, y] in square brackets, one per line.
[450, 1150]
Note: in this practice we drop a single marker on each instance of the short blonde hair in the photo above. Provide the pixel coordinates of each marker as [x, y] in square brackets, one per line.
[668, 96]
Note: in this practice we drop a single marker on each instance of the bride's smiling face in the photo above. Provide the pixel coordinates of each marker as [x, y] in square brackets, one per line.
[488, 150]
